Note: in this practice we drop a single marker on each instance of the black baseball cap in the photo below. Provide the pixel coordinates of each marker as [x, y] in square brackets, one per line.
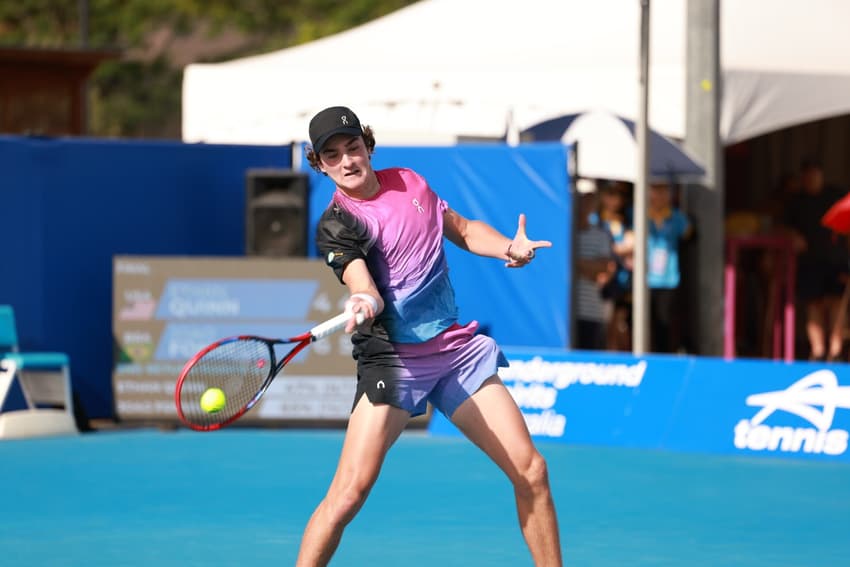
[330, 122]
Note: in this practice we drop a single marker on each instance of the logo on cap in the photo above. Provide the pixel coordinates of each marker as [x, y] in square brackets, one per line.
[344, 120]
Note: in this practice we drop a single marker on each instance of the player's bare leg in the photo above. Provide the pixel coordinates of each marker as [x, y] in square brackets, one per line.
[491, 420]
[372, 429]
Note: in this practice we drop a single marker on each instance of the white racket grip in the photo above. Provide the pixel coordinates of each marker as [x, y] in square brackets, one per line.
[331, 326]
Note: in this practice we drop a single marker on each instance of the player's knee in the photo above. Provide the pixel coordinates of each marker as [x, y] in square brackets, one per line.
[348, 502]
[534, 477]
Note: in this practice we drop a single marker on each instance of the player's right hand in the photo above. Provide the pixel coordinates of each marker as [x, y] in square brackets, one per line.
[363, 306]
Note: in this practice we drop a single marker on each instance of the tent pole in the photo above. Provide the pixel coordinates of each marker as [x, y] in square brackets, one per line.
[640, 291]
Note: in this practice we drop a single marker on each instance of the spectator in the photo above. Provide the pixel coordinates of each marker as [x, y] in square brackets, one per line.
[596, 266]
[613, 218]
[790, 186]
[822, 260]
[666, 229]
[777, 204]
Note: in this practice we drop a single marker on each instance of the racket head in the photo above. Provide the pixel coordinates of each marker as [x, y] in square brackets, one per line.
[242, 367]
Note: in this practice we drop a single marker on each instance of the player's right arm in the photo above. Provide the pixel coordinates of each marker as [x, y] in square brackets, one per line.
[364, 295]
[344, 241]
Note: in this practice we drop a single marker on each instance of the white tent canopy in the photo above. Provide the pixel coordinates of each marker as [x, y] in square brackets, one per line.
[443, 70]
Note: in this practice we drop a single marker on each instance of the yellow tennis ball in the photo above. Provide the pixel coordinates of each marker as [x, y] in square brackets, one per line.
[213, 400]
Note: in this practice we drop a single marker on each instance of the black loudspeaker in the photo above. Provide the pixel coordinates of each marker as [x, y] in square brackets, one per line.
[276, 213]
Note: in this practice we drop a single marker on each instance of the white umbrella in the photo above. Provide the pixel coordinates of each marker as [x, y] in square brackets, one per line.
[607, 148]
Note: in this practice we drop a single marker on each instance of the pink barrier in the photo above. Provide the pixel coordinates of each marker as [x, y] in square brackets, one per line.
[783, 324]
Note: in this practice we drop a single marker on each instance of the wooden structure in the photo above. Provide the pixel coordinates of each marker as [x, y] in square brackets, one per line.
[42, 91]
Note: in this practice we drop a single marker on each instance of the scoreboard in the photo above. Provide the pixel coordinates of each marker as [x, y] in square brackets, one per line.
[165, 309]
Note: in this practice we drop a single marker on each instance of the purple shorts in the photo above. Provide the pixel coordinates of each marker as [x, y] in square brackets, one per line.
[445, 371]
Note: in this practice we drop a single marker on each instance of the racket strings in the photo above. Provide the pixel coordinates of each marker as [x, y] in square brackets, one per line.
[239, 368]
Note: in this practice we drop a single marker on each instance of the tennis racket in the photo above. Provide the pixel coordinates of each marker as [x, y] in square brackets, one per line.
[242, 367]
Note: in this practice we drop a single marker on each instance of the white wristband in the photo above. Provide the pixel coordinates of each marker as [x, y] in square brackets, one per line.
[367, 298]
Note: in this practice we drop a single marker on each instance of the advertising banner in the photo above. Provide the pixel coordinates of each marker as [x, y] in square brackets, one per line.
[598, 399]
[765, 408]
[165, 309]
[682, 403]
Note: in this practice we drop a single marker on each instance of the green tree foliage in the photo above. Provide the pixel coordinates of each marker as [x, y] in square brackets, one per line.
[139, 94]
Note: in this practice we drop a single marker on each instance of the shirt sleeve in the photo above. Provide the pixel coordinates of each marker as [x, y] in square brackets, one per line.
[683, 224]
[341, 238]
[442, 204]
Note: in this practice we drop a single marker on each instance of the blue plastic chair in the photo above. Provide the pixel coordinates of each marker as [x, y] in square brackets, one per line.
[45, 382]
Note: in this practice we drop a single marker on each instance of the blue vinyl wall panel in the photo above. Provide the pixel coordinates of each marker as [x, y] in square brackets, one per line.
[758, 408]
[495, 183]
[70, 205]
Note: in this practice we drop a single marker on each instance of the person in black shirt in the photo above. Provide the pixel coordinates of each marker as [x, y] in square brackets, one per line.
[822, 260]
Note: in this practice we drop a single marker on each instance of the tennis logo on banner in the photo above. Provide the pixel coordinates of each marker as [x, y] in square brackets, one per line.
[813, 400]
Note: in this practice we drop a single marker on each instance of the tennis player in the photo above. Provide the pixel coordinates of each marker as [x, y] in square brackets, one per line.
[382, 234]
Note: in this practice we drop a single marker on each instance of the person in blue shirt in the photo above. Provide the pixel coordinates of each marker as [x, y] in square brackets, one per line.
[614, 217]
[666, 229]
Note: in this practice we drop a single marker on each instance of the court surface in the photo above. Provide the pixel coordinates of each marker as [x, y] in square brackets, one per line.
[241, 497]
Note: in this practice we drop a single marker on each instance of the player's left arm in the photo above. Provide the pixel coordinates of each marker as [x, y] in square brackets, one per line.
[482, 239]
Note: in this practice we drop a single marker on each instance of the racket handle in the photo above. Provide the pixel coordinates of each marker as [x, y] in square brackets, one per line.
[331, 326]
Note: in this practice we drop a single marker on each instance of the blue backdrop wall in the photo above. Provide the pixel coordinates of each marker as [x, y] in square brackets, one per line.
[495, 183]
[70, 205]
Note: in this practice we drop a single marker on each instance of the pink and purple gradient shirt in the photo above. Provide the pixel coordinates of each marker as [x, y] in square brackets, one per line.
[399, 233]
[414, 352]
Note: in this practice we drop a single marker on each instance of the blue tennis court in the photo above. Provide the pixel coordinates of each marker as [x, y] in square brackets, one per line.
[242, 497]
